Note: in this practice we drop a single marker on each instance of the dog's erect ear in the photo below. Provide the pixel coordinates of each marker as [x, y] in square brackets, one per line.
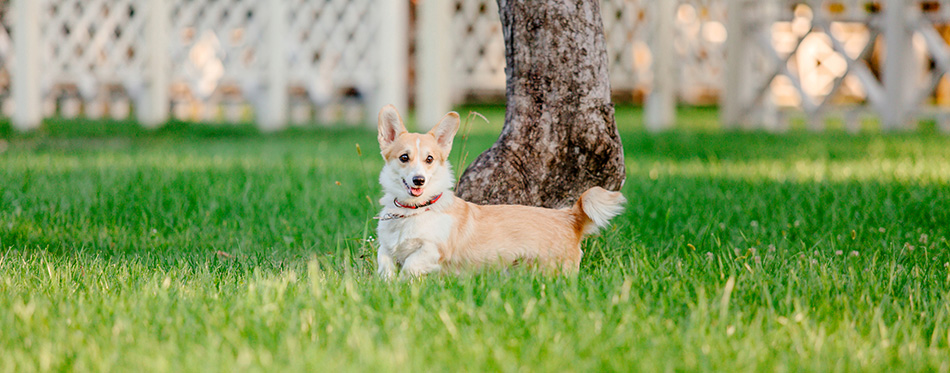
[390, 126]
[445, 131]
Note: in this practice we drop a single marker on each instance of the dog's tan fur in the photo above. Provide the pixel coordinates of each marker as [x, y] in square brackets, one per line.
[454, 234]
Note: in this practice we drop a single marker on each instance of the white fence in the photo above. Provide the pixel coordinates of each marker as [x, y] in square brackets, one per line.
[847, 60]
[303, 61]
[194, 59]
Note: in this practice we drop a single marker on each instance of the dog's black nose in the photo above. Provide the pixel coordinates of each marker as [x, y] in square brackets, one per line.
[418, 180]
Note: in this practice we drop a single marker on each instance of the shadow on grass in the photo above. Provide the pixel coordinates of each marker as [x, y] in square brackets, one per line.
[308, 198]
[696, 137]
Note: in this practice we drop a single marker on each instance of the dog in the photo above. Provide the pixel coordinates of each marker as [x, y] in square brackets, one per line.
[424, 228]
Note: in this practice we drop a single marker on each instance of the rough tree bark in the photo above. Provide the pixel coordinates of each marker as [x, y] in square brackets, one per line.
[559, 137]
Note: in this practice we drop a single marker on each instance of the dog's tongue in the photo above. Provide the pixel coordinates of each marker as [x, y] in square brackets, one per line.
[415, 191]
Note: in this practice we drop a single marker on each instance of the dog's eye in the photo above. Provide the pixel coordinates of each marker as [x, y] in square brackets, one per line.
[429, 159]
[404, 158]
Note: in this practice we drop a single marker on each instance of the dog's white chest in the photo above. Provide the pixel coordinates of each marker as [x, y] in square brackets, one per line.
[405, 235]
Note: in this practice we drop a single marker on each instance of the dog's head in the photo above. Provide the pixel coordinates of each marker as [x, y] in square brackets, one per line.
[417, 166]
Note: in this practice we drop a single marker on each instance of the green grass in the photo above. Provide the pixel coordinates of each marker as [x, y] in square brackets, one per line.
[201, 248]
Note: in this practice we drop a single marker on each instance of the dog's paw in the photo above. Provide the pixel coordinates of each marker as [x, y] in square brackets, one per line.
[386, 275]
[407, 276]
[417, 271]
[386, 270]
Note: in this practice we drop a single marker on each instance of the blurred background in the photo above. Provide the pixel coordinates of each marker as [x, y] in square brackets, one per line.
[767, 64]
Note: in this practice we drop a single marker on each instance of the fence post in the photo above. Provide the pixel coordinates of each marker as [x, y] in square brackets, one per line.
[433, 62]
[731, 100]
[393, 20]
[660, 111]
[897, 38]
[27, 97]
[272, 111]
[767, 113]
[153, 108]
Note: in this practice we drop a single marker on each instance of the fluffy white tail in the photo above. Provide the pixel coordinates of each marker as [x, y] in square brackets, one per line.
[596, 207]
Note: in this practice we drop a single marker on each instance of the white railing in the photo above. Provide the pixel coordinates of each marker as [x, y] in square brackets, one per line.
[823, 58]
[691, 33]
[816, 59]
[300, 61]
[281, 60]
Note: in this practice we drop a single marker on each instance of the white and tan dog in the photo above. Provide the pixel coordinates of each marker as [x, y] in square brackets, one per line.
[425, 228]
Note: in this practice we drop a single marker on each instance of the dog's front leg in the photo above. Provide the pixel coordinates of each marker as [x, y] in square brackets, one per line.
[422, 261]
[385, 265]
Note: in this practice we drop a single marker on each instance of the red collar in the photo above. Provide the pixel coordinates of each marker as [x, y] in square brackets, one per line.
[413, 207]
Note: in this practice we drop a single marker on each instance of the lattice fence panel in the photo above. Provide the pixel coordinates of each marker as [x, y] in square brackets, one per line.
[700, 38]
[829, 58]
[933, 31]
[479, 46]
[91, 55]
[219, 60]
[828, 46]
[626, 29]
[333, 46]
[480, 51]
[217, 65]
[95, 56]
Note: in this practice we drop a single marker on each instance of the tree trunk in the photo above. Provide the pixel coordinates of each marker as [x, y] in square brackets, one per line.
[559, 137]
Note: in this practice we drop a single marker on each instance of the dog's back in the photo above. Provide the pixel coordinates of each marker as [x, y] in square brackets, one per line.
[508, 234]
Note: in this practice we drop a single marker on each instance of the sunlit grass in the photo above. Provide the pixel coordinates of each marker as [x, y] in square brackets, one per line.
[203, 249]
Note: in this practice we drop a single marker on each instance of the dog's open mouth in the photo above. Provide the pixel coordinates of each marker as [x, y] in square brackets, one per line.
[415, 192]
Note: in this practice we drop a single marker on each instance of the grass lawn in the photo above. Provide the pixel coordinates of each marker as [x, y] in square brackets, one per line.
[201, 248]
